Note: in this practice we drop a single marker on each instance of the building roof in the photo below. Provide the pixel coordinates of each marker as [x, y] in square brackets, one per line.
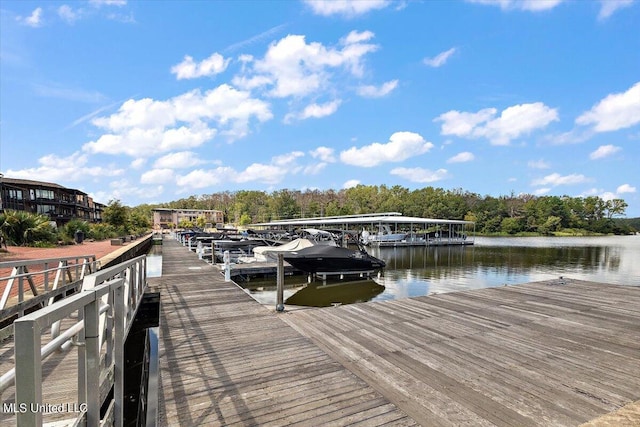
[29, 182]
[380, 218]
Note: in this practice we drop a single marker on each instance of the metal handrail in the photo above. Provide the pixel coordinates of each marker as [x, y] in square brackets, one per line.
[83, 264]
[107, 305]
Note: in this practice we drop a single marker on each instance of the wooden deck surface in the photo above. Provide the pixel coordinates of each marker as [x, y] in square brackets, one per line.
[226, 360]
[539, 354]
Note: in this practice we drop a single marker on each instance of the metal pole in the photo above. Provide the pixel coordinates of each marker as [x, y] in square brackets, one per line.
[280, 284]
[227, 266]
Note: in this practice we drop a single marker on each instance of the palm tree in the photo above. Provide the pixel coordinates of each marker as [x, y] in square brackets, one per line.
[23, 228]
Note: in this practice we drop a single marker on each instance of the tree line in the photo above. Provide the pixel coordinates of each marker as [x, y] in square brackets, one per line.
[512, 214]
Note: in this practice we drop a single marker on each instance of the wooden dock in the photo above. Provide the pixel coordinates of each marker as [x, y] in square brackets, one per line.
[227, 360]
[554, 353]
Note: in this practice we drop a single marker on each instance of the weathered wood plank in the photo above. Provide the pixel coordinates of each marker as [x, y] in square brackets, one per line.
[534, 354]
[227, 360]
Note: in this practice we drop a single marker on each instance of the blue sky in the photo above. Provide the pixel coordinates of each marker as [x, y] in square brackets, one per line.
[152, 101]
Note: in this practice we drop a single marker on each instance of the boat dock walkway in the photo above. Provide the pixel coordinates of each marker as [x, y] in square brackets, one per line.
[559, 353]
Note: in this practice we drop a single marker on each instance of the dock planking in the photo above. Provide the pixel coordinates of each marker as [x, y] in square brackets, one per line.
[227, 360]
[551, 353]
[548, 353]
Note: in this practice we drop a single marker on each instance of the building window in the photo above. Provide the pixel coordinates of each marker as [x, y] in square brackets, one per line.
[46, 209]
[15, 194]
[45, 194]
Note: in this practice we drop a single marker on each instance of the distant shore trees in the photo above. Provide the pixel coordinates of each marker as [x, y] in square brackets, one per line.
[512, 214]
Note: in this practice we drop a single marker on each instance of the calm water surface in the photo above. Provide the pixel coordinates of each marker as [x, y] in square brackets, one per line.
[154, 261]
[490, 262]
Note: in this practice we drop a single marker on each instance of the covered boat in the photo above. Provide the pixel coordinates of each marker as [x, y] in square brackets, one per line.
[333, 260]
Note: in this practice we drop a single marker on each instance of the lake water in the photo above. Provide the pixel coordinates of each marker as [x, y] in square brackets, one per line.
[154, 261]
[490, 262]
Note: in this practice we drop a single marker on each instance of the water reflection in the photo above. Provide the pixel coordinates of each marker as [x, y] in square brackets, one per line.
[319, 294]
[154, 261]
[490, 262]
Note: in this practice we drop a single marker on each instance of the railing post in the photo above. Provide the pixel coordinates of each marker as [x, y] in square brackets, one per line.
[28, 373]
[118, 354]
[227, 266]
[280, 284]
[92, 348]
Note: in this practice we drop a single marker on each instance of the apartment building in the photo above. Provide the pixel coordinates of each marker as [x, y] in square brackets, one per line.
[166, 218]
[59, 203]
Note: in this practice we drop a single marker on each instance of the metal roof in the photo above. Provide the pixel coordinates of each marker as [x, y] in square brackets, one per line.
[384, 218]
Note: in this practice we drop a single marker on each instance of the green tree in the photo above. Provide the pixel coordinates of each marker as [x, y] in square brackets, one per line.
[511, 225]
[550, 225]
[115, 214]
[615, 207]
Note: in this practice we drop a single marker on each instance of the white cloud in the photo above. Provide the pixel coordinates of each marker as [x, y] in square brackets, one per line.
[440, 59]
[269, 174]
[272, 173]
[314, 169]
[556, 179]
[201, 178]
[146, 127]
[346, 8]
[138, 142]
[542, 191]
[527, 5]
[179, 160]
[189, 69]
[350, 184]
[325, 154]
[573, 136]
[67, 14]
[287, 159]
[293, 67]
[463, 157]
[369, 91]
[420, 175]
[604, 151]
[99, 3]
[74, 168]
[514, 122]
[462, 123]
[34, 20]
[138, 163]
[538, 164]
[315, 111]
[401, 146]
[609, 7]
[122, 188]
[157, 176]
[616, 111]
[625, 188]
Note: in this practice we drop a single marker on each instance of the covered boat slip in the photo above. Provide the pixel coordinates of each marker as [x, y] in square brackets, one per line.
[388, 228]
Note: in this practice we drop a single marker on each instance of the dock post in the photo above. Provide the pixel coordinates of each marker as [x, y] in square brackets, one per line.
[199, 250]
[227, 266]
[280, 284]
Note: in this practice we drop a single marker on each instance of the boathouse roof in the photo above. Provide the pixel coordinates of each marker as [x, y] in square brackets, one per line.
[376, 218]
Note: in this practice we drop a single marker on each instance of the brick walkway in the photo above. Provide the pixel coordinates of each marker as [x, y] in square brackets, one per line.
[19, 253]
[99, 249]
